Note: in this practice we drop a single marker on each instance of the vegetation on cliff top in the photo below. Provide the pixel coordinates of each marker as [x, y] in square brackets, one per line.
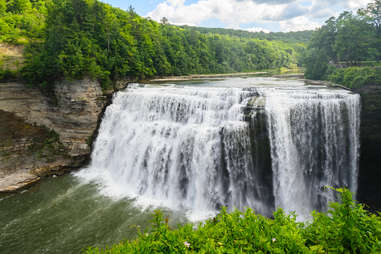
[290, 37]
[22, 20]
[77, 38]
[345, 228]
[346, 41]
[355, 77]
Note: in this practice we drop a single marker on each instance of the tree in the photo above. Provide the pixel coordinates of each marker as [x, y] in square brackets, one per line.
[164, 21]
[349, 38]
[353, 38]
[3, 7]
[18, 6]
[90, 38]
[373, 12]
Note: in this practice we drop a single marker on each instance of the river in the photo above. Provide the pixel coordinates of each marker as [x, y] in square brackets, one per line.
[190, 148]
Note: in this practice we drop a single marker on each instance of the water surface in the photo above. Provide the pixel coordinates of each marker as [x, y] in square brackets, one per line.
[61, 215]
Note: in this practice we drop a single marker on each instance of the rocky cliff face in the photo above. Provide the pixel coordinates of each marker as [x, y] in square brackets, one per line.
[40, 137]
[370, 160]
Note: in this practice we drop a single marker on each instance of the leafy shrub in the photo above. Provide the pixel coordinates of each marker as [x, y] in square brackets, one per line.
[8, 75]
[355, 77]
[345, 228]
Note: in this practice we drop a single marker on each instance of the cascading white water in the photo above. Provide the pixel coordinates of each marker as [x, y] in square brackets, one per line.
[172, 146]
[194, 148]
[314, 138]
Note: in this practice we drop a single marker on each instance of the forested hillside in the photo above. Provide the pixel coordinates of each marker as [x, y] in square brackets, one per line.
[291, 37]
[347, 49]
[77, 38]
[22, 20]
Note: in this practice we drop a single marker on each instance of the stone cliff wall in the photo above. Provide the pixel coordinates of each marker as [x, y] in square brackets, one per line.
[41, 137]
[370, 159]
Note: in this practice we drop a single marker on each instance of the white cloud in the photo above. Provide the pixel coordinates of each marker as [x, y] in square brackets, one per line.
[257, 29]
[298, 24]
[355, 4]
[287, 15]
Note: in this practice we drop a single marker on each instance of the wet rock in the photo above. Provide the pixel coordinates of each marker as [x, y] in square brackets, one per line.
[16, 181]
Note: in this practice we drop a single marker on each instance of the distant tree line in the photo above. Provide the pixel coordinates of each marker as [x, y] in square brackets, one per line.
[349, 40]
[77, 38]
[290, 37]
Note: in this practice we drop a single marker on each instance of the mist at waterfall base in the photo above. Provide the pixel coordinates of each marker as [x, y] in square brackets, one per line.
[189, 149]
[194, 148]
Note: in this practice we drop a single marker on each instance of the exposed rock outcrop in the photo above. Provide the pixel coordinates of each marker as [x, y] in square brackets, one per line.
[41, 138]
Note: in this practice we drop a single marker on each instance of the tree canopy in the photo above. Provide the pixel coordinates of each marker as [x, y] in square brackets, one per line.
[77, 38]
[290, 37]
[346, 40]
[22, 20]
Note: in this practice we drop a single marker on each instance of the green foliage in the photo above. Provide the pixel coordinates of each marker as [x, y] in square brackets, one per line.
[3, 7]
[355, 77]
[348, 39]
[76, 38]
[8, 75]
[345, 228]
[316, 64]
[90, 38]
[18, 6]
[22, 20]
[290, 37]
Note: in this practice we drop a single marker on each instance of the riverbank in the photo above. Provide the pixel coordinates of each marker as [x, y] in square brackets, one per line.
[205, 76]
[277, 73]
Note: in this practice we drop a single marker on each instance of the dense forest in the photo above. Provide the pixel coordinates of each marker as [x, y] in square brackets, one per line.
[22, 20]
[347, 49]
[291, 37]
[77, 38]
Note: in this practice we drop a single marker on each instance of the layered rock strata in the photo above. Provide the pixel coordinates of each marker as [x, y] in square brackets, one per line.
[42, 137]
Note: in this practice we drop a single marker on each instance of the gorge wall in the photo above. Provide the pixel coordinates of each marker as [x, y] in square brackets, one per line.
[40, 137]
[370, 158]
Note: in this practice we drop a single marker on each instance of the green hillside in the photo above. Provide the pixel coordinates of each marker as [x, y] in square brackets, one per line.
[77, 38]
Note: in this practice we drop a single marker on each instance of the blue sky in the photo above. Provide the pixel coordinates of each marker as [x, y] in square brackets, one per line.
[251, 15]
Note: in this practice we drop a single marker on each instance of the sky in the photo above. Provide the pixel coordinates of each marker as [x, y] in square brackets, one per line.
[250, 15]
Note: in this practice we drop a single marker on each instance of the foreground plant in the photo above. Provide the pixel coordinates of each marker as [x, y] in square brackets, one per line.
[345, 228]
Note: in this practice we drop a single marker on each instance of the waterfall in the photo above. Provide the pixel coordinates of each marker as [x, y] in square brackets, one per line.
[314, 143]
[198, 148]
